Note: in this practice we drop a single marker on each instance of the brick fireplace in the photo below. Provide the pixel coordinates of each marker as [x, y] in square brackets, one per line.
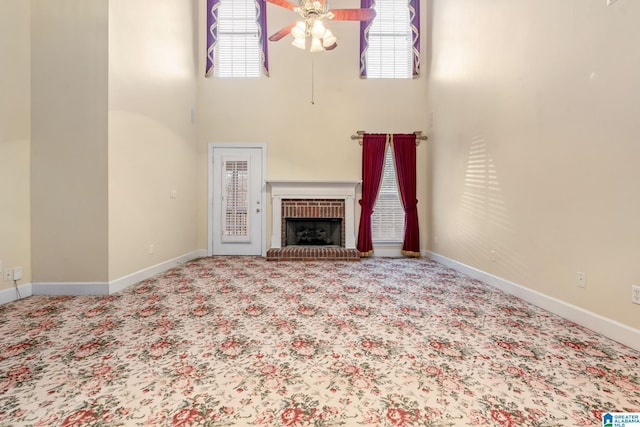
[319, 214]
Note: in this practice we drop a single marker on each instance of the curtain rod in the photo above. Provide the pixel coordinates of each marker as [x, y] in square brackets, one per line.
[360, 134]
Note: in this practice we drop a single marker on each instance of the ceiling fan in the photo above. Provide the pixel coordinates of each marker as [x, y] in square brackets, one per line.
[311, 25]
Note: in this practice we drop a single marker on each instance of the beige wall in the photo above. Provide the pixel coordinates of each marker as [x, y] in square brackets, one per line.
[305, 140]
[531, 154]
[152, 142]
[535, 145]
[69, 140]
[15, 134]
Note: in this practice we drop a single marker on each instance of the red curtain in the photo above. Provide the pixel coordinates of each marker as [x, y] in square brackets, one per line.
[373, 148]
[404, 150]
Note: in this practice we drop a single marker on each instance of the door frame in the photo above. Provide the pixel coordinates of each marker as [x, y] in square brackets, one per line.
[263, 190]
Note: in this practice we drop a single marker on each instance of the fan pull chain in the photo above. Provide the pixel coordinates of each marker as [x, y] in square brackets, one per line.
[313, 97]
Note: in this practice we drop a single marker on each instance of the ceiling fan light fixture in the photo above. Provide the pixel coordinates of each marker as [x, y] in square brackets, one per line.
[299, 31]
[318, 29]
[316, 45]
[328, 39]
[300, 43]
[313, 12]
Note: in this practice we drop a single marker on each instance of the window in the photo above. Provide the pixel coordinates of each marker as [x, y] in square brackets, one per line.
[238, 47]
[390, 41]
[235, 176]
[387, 221]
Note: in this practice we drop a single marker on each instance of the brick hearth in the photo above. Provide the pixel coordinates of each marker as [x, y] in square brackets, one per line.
[312, 253]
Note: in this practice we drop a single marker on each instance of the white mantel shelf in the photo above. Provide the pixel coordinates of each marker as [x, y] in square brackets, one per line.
[319, 189]
[312, 188]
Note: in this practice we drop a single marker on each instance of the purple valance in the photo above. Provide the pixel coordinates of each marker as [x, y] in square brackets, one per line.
[364, 37]
[414, 19]
[261, 18]
[212, 33]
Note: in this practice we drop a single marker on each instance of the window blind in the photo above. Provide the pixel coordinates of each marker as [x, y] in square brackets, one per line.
[387, 221]
[236, 174]
[389, 54]
[238, 47]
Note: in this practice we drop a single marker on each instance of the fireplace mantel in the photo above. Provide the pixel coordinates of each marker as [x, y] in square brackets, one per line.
[289, 189]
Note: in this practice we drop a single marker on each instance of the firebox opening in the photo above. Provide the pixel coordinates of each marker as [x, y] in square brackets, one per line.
[313, 231]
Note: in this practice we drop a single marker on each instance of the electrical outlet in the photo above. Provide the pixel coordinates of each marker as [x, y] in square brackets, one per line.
[151, 248]
[635, 294]
[8, 274]
[493, 256]
[17, 273]
[581, 279]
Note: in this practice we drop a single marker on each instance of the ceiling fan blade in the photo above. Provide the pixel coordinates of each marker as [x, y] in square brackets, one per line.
[353, 14]
[282, 33]
[283, 3]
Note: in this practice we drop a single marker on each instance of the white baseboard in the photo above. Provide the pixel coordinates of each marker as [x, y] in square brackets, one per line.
[113, 286]
[10, 294]
[133, 278]
[609, 328]
[70, 288]
[390, 250]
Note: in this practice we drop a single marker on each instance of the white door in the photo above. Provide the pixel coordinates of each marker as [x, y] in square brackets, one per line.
[237, 199]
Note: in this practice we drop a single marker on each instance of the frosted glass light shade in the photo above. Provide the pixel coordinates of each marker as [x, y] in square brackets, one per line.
[300, 42]
[299, 30]
[316, 46]
[318, 29]
[329, 39]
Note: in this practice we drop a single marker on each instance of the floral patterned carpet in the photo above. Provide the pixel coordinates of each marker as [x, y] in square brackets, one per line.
[244, 341]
